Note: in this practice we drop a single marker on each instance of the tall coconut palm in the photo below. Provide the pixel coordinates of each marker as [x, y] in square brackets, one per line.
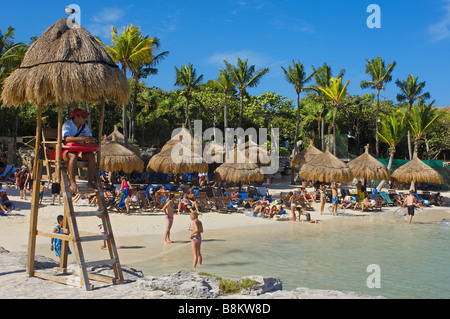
[411, 90]
[322, 77]
[186, 77]
[335, 93]
[142, 70]
[11, 53]
[421, 119]
[243, 77]
[295, 74]
[226, 84]
[380, 75]
[391, 131]
[129, 49]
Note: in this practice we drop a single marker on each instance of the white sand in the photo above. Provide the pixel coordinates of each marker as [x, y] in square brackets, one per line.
[14, 228]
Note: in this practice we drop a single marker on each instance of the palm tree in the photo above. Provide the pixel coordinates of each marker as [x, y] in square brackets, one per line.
[380, 75]
[244, 76]
[421, 119]
[11, 54]
[186, 77]
[225, 83]
[391, 131]
[335, 93]
[129, 49]
[411, 90]
[296, 75]
[322, 77]
[142, 70]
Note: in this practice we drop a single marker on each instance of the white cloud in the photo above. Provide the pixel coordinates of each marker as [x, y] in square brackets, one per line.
[441, 30]
[108, 15]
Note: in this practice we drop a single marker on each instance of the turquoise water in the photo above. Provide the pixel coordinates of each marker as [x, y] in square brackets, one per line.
[413, 259]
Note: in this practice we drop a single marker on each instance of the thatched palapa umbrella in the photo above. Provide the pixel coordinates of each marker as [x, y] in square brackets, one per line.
[181, 154]
[368, 167]
[305, 155]
[326, 168]
[240, 170]
[119, 138]
[115, 157]
[416, 171]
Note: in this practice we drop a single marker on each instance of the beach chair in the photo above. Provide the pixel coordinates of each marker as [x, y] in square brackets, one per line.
[387, 200]
[8, 169]
[423, 201]
[378, 202]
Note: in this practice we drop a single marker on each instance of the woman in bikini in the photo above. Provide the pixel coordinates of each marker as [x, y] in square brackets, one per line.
[168, 210]
[196, 239]
[323, 198]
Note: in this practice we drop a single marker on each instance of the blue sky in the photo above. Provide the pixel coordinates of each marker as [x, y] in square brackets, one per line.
[416, 34]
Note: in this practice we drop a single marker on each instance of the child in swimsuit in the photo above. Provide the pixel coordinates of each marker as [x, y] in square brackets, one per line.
[196, 239]
[169, 212]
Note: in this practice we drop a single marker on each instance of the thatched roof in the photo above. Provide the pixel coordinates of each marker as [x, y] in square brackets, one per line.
[66, 65]
[326, 168]
[115, 157]
[239, 169]
[183, 161]
[416, 171]
[305, 155]
[181, 154]
[256, 153]
[368, 167]
[118, 137]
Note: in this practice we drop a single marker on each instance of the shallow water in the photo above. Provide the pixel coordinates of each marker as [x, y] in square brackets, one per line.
[413, 259]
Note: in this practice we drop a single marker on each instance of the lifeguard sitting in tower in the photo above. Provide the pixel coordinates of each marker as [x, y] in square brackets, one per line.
[78, 143]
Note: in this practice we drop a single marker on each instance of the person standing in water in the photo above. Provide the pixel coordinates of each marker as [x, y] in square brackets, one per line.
[169, 212]
[410, 203]
[196, 239]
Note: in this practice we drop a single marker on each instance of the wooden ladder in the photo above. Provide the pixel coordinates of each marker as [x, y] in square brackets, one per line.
[71, 233]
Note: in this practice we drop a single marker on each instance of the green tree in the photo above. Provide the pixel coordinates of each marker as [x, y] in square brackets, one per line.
[380, 75]
[225, 83]
[130, 49]
[295, 74]
[335, 93]
[143, 70]
[322, 77]
[243, 77]
[391, 131]
[186, 77]
[410, 91]
[421, 119]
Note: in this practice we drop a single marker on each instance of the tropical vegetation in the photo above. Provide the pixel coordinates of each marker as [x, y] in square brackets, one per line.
[323, 104]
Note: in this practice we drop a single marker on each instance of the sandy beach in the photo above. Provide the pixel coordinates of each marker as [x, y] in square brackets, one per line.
[129, 230]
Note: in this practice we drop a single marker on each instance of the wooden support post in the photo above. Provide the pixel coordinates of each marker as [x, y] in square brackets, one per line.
[37, 170]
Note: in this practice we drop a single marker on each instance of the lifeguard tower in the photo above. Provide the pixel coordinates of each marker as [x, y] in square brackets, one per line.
[68, 65]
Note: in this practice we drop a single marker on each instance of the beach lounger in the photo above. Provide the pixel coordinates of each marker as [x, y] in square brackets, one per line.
[387, 199]
[6, 171]
[423, 201]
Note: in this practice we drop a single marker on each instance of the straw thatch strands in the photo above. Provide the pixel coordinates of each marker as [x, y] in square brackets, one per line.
[182, 154]
[305, 155]
[66, 65]
[416, 171]
[119, 138]
[368, 167]
[115, 158]
[239, 169]
[256, 153]
[326, 168]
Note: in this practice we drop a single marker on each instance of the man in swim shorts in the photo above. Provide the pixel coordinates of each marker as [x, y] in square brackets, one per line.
[410, 203]
[77, 131]
[334, 198]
